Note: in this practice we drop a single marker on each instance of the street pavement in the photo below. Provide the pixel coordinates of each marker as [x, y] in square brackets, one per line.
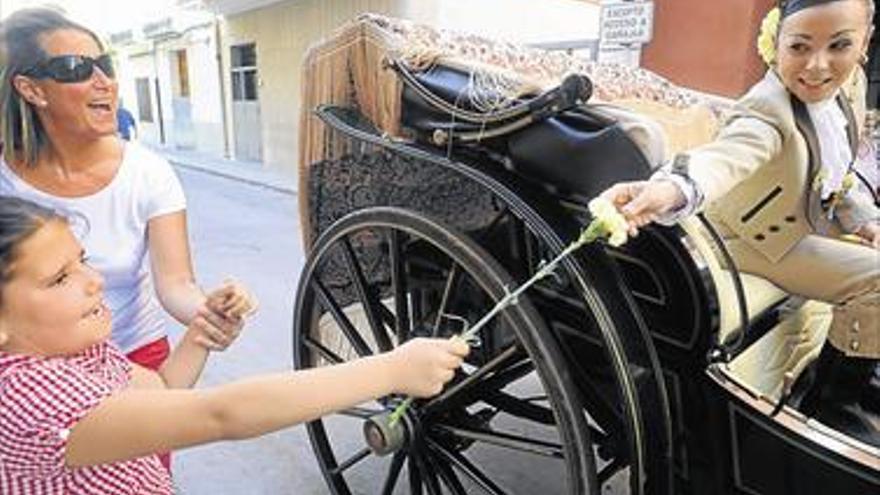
[251, 232]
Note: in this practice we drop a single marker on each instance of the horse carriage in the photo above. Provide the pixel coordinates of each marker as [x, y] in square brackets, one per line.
[438, 172]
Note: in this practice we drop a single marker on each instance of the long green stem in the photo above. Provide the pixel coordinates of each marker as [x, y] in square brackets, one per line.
[590, 234]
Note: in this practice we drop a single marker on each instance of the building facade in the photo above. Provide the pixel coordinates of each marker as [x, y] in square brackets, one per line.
[263, 45]
[170, 81]
[222, 77]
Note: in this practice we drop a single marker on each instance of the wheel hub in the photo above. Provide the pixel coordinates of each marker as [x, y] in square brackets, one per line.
[383, 437]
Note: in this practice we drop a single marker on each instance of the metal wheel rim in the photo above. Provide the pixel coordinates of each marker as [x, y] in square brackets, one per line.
[465, 254]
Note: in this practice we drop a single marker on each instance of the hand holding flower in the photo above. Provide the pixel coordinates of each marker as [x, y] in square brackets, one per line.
[421, 366]
[607, 222]
[641, 202]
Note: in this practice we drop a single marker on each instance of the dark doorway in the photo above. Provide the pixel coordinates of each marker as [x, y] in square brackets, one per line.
[873, 67]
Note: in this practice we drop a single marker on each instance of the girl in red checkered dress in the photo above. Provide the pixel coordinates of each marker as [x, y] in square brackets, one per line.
[76, 417]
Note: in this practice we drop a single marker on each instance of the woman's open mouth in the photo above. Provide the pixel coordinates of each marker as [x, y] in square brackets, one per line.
[101, 107]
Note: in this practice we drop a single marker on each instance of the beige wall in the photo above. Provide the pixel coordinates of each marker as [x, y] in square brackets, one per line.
[283, 31]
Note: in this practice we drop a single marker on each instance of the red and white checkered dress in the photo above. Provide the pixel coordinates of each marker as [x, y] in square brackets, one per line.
[41, 399]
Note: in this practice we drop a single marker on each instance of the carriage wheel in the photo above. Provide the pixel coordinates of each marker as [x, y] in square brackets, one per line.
[508, 423]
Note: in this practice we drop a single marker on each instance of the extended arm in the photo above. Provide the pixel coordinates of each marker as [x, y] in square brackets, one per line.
[742, 146]
[136, 422]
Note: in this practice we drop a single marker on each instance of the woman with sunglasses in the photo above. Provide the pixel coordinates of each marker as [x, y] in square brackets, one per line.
[58, 100]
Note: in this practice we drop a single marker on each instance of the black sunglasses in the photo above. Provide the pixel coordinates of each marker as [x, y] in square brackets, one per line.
[71, 68]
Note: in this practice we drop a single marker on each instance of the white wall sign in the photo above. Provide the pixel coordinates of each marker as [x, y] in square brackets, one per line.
[626, 22]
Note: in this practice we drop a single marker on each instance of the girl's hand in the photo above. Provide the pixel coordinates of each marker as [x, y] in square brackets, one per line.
[213, 331]
[641, 202]
[421, 366]
[870, 234]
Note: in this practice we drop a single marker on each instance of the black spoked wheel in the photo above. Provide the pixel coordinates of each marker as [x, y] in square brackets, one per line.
[508, 423]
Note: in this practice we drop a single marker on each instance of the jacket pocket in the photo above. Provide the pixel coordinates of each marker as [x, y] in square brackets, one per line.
[760, 205]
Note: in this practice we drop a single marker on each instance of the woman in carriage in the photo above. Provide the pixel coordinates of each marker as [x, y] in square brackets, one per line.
[799, 126]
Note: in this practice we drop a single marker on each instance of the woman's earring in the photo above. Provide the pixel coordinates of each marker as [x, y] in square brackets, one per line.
[864, 59]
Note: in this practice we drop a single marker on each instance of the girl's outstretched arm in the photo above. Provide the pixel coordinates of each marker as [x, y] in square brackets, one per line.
[135, 423]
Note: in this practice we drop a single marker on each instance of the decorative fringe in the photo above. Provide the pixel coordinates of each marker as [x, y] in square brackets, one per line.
[347, 69]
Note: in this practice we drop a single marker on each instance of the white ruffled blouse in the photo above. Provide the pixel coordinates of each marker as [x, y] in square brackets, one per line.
[834, 146]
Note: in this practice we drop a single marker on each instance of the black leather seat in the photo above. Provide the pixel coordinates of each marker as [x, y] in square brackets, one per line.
[554, 137]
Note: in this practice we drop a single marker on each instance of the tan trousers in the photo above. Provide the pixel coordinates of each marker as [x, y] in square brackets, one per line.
[841, 273]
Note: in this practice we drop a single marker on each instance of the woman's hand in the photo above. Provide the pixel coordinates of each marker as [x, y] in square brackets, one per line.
[421, 366]
[641, 202]
[221, 318]
[870, 234]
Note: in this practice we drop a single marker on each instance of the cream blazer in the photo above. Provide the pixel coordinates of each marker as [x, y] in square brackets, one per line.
[757, 174]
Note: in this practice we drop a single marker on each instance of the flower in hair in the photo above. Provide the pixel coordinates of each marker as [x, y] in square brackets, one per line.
[767, 36]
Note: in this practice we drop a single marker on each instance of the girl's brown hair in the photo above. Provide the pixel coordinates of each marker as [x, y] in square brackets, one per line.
[19, 219]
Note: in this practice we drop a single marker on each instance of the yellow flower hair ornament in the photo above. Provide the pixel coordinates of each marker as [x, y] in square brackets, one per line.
[767, 36]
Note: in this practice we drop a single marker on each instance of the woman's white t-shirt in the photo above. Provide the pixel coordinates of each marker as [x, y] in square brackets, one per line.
[112, 226]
